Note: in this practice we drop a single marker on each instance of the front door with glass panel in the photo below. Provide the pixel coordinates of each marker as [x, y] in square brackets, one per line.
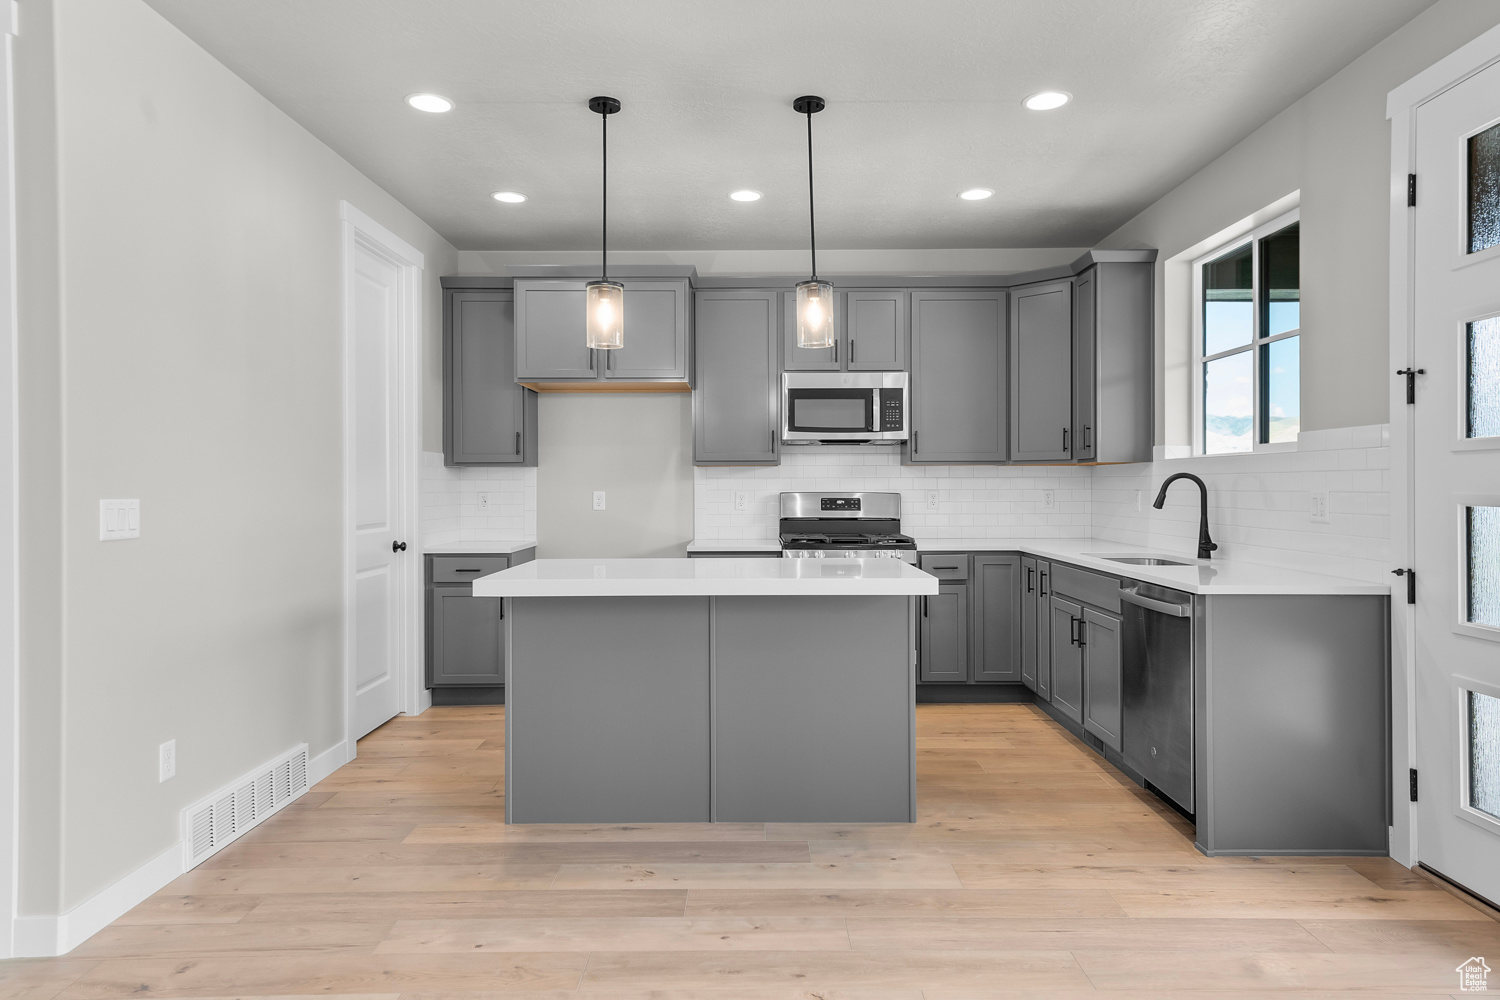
[1456, 517]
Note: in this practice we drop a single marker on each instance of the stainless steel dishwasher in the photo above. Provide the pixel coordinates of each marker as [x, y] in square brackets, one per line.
[1156, 736]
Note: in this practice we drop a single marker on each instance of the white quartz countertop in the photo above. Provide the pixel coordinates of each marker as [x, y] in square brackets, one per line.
[480, 548]
[1214, 576]
[750, 577]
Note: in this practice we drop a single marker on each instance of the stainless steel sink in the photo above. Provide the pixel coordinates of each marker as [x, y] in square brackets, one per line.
[1146, 560]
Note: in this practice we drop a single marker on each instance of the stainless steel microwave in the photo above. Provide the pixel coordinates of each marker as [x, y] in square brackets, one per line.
[845, 407]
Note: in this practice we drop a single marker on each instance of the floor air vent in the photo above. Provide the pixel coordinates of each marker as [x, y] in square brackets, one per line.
[217, 820]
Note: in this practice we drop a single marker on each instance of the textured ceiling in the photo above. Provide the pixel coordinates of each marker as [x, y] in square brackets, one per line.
[923, 102]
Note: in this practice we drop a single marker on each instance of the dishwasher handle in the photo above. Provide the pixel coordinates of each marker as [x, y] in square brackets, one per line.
[1134, 596]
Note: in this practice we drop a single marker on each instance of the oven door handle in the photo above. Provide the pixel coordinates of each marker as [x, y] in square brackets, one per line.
[1133, 596]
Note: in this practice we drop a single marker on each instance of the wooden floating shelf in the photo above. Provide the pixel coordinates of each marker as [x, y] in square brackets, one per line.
[609, 386]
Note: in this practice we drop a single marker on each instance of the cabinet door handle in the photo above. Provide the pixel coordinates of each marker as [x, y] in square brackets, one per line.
[851, 351]
[1080, 640]
[518, 442]
[1072, 631]
[914, 442]
[609, 361]
[1030, 575]
[835, 352]
[1086, 433]
[1042, 585]
[1065, 439]
[924, 607]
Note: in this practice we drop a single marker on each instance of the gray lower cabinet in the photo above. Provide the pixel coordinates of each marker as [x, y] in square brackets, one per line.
[943, 652]
[736, 393]
[550, 342]
[1041, 627]
[465, 645]
[996, 646]
[487, 418]
[1099, 636]
[1041, 372]
[958, 383]
[1028, 622]
[1112, 369]
[1066, 656]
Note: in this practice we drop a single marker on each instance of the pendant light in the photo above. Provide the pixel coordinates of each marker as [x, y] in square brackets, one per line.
[814, 297]
[604, 300]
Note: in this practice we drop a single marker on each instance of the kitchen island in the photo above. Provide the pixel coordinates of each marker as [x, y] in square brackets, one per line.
[696, 690]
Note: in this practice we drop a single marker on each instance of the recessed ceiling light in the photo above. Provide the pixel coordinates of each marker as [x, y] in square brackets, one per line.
[429, 102]
[976, 194]
[746, 195]
[1047, 100]
[509, 197]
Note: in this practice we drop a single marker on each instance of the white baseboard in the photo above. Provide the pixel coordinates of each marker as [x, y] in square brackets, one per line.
[328, 761]
[44, 937]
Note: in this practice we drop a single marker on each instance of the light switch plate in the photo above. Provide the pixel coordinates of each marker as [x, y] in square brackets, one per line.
[119, 519]
[598, 499]
[166, 761]
[1319, 506]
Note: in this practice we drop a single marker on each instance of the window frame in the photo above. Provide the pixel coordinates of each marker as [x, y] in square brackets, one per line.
[1255, 346]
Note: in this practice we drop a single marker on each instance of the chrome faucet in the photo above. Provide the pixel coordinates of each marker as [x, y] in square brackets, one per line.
[1206, 545]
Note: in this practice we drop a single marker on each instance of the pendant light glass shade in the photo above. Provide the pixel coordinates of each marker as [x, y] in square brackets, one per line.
[605, 305]
[815, 314]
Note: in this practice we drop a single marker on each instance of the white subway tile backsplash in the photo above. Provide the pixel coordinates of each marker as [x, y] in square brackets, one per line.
[450, 502]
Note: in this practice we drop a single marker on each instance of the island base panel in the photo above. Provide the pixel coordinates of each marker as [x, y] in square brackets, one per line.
[812, 710]
[608, 715]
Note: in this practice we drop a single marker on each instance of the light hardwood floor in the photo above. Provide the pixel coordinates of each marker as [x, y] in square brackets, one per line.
[1034, 871]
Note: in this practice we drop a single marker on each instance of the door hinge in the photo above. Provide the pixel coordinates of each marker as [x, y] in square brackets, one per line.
[1411, 382]
[1411, 583]
[1414, 784]
[1411, 190]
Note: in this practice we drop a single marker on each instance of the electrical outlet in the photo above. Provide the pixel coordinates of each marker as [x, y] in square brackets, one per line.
[932, 499]
[1049, 499]
[1139, 498]
[484, 503]
[166, 761]
[598, 499]
[1319, 506]
[119, 519]
[741, 500]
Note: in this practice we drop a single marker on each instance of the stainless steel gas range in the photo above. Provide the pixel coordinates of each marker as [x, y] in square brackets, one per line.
[844, 526]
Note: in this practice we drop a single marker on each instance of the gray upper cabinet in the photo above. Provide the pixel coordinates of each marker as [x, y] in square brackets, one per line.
[550, 342]
[550, 334]
[487, 418]
[944, 629]
[1100, 634]
[876, 330]
[871, 333]
[736, 395]
[1067, 657]
[996, 643]
[1113, 334]
[1041, 372]
[1085, 428]
[958, 385]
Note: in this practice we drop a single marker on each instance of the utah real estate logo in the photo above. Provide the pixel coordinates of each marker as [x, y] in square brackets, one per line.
[1472, 976]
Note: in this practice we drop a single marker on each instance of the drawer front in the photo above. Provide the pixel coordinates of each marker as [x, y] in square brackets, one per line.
[1090, 588]
[951, 567]
[466, 569]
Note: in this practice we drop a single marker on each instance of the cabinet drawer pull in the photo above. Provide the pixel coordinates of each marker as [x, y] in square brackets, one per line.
[468, 571]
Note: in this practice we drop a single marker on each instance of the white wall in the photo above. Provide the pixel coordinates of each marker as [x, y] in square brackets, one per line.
[638, 449]
[1333, 146]
[181, 345]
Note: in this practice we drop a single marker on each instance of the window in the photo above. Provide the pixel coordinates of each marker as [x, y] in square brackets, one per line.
[1246, 335]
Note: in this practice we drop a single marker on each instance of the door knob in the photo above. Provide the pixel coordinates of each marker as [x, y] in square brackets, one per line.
[398, 546]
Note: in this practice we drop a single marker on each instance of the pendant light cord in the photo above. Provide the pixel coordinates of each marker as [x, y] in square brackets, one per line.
[812, 224]
[603, 183]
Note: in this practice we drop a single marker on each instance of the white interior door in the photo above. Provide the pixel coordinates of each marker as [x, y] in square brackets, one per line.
[1456, 517]
[378, 494]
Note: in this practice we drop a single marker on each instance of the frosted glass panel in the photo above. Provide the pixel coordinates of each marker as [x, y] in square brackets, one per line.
[1228, 404]
[1484, 378]
[1484, 189]
[1228, 309]
[1281, 406]
[1484, 753]
[1484, 566]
